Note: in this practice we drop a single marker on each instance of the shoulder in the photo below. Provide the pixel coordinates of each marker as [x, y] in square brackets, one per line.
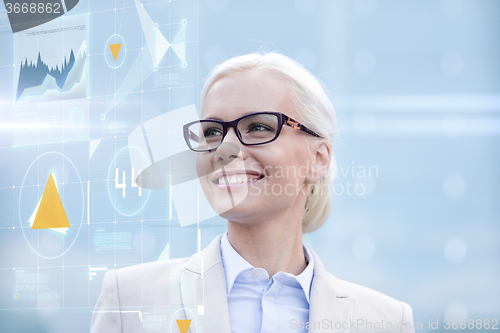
[151, 270]
[363, 302]
[151, 283]
[368, 297]
[374, 306]
[368, 308]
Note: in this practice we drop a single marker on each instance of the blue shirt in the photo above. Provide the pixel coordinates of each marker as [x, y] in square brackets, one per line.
[259, 304]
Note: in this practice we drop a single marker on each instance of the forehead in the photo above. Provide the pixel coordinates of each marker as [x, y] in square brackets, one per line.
[235, 95]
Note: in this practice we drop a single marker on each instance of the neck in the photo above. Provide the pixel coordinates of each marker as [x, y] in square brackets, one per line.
[275, 245]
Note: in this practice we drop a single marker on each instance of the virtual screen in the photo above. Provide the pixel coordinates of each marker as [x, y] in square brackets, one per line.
[95, 173]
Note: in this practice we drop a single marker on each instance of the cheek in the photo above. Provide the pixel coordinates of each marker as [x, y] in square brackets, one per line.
[288, 167]
[204, 164]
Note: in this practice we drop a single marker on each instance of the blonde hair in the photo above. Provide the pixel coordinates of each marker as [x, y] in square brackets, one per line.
[311, 103]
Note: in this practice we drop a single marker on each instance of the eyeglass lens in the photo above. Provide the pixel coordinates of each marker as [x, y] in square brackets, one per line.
[260, 128]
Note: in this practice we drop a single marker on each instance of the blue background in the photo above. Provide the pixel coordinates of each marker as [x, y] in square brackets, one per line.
[416, 89]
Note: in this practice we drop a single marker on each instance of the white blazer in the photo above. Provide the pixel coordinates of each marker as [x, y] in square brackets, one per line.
[151, 297]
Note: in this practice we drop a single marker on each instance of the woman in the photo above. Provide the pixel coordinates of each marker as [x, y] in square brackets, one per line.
[264, 157]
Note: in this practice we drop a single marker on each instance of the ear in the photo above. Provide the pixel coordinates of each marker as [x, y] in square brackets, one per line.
[320, 160]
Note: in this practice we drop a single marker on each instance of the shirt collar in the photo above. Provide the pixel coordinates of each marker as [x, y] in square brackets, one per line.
[234, 264]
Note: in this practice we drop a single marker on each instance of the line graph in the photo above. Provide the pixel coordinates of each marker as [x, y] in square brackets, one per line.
[44, 73]
[37, 80]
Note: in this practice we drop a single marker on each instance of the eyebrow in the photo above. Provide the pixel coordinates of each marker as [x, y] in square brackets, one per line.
[217, 118]
[210, 118]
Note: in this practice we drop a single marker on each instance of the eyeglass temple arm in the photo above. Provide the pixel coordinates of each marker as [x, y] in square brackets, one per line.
[296, 125]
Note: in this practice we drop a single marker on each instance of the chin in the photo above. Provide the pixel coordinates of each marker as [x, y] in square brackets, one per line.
[223, 206]
[242, 216]
[236, 200]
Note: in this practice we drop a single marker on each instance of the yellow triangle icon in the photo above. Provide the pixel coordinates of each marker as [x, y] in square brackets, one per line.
[183, 325]
[115, 48]
[51, 212]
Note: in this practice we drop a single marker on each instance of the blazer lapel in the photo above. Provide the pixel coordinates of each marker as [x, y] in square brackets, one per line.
[203, 283]
[329, 304]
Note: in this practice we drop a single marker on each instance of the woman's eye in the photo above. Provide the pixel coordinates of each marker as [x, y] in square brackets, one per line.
[255, 127]
[211, 132]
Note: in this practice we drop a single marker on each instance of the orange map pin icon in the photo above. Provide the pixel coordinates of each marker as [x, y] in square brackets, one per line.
[183, 325]
[115, 48]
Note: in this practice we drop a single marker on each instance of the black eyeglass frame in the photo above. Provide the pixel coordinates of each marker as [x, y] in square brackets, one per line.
[282, 120]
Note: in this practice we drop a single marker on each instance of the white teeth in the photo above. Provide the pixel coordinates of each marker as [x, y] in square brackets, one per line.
[237, 179]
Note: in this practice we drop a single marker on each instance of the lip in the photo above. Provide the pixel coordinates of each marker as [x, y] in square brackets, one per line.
[236, 172]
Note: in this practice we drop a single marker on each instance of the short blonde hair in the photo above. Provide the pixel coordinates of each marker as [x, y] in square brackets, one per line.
[311, 103]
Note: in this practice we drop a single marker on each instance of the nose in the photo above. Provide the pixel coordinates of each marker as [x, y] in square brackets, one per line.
[228, 150]
[231, 136]
[225, 154]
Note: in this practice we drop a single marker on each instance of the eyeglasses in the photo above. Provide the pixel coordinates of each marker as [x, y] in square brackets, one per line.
[252, 129]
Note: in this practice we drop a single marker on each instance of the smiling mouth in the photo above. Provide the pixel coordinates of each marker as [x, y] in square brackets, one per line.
[238, 179]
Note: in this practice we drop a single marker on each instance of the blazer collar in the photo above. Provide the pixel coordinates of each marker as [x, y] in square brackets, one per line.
[211, 257]
[203, 282]
[329, 301]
